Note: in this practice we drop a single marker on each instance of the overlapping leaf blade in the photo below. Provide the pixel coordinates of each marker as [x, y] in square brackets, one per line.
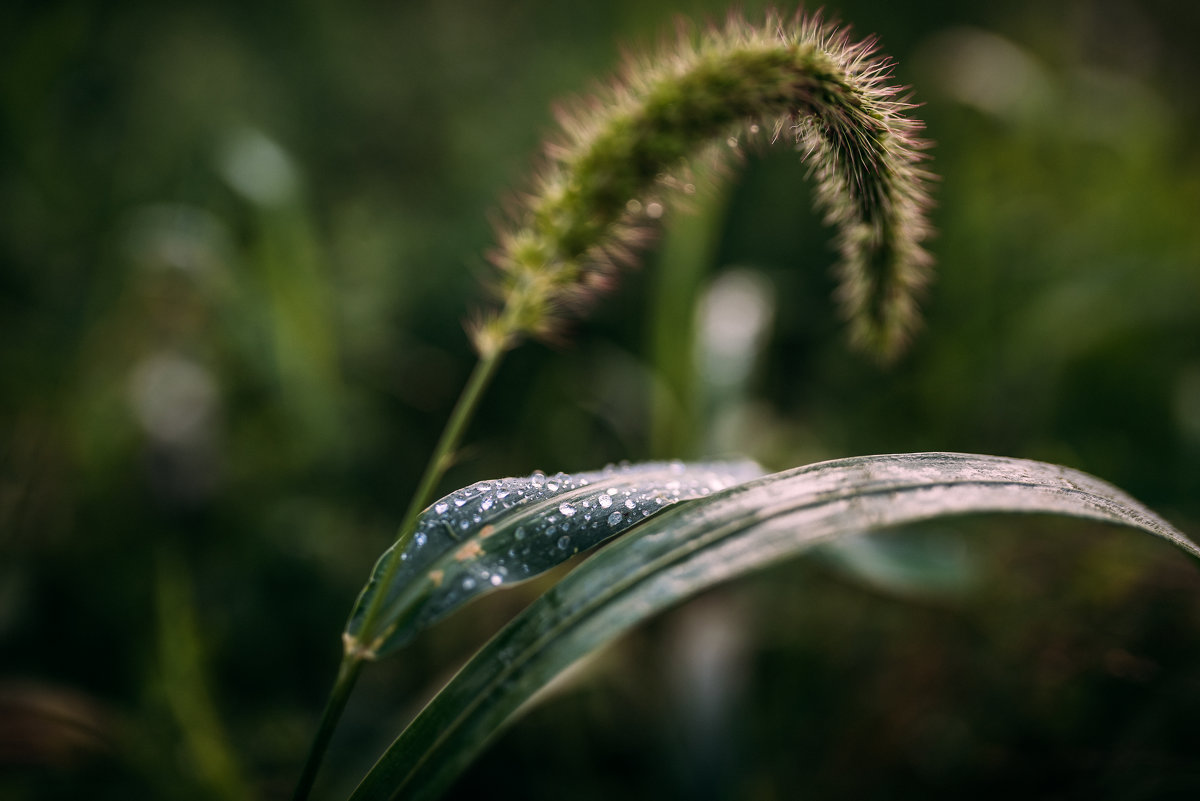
[499, 532]
[688, 549]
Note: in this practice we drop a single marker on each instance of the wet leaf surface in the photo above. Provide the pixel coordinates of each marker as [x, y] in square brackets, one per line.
[495, 533]
[684, 551]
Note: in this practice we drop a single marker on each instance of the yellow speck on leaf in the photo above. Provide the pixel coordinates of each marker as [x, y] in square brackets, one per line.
[469, 551]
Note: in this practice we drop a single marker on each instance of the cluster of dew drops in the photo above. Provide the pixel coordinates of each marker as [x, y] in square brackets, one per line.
[620, 496]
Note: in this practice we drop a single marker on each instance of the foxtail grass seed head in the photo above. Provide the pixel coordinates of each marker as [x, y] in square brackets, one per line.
[623, 155]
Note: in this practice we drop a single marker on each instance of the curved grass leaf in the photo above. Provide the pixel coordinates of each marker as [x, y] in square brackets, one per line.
[697, 545]
[496, 533]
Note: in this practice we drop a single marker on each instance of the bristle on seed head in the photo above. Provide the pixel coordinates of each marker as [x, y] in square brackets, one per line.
[622, 153]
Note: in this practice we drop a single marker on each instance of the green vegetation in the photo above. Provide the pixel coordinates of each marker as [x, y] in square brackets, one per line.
[236, 246]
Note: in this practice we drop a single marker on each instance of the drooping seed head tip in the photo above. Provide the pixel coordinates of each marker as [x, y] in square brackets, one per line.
[621, 152]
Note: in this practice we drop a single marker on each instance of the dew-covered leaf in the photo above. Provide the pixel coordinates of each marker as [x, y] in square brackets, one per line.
[495, 533]
[697, 545]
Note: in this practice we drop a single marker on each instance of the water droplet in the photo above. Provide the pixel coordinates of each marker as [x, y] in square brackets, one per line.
[552, 486]
[614, 518]
[496, 580]
[550, 532]
[420, 539]
[654, 210]
[538, 479]
[605, 501]
[566, 509]
[440, 507]
[629, 504]
[468, 583]
[613, 490]
[502, 494]
[519, 533]
[564, 542]
[486, 504]
[753, 129]
[732, 141]
[460, 502]
[464, 525]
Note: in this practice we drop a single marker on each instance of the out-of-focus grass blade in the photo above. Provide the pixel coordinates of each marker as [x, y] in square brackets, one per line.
[499, 532]
[911, 565]
[688, 549]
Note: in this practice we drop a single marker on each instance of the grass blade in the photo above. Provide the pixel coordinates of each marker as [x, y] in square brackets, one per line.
[689, 549]
[497, 533]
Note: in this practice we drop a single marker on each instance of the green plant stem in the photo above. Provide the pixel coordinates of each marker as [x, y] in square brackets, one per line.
[187, 687]
[443, 456]
[687, 256]
[347, 676]
[358, 651]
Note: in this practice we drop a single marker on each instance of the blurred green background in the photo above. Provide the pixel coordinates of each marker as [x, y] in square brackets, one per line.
[238, 241]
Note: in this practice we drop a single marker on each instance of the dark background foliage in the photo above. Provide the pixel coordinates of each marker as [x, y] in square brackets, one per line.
[237, 245]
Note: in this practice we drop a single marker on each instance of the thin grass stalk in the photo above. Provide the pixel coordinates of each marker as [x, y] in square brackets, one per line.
[354, 650]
